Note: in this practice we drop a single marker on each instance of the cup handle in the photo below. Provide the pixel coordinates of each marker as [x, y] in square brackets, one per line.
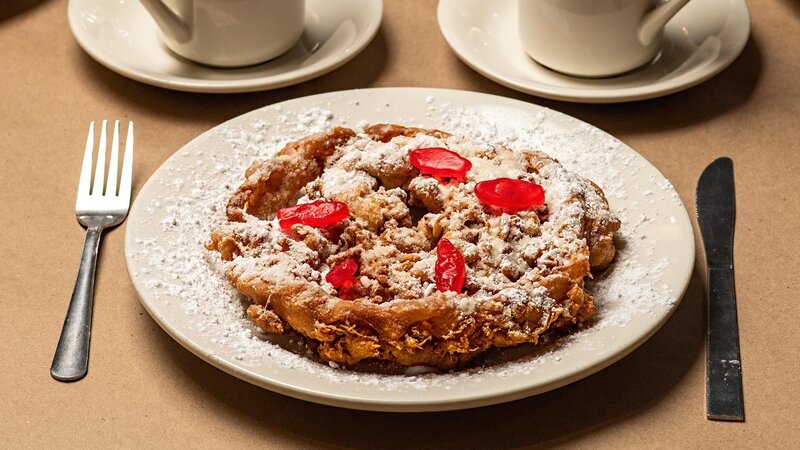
[654, 21]
[166, 19]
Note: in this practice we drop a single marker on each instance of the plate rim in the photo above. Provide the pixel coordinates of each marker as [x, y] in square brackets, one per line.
[593, 94]
[394, 405]
[255, 84]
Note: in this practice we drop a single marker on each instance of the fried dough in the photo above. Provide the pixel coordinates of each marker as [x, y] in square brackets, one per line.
[525, 271]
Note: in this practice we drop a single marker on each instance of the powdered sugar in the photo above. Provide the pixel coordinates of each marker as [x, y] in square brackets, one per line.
[173, 265]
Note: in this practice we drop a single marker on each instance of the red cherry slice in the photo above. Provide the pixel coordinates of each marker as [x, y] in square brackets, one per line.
[450, 268]
[318, 214]
[439, 163]
[510, 195]
[342, 273]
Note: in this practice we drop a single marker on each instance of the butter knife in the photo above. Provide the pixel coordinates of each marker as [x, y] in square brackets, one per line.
[716, 214]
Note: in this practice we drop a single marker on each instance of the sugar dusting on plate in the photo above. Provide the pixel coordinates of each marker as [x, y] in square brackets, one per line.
[174, 266]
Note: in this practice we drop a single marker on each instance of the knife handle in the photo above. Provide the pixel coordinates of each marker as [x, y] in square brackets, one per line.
[724, 383]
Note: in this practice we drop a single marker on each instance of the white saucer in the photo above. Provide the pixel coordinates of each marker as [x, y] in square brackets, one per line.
[123, 37]
[699, 42]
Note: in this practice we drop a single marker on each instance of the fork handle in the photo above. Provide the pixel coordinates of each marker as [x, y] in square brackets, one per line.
[71, 360]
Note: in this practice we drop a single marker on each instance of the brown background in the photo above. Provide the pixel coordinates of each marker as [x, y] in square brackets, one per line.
[145, 389]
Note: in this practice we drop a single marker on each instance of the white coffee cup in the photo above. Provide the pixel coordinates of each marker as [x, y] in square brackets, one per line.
[228, 33]
[594, 38]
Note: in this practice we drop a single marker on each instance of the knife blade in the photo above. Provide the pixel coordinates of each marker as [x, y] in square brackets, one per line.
[716, 214]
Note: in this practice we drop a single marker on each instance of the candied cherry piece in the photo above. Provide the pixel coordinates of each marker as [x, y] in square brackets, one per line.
[342, 277]
[318, 214]
[342, 272]
[510, 195]
[450, 268]
[440, 163]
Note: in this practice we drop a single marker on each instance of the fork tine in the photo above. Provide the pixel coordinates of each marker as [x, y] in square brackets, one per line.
[100, 164]
[111, 184]
[127, 167]
[86, 168]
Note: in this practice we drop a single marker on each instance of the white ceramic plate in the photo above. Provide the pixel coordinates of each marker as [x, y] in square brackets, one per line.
[699, 42]
[180, 286]
[123, 37]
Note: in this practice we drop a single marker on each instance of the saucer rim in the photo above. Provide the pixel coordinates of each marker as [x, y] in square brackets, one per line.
[592, 93]
[201, 85]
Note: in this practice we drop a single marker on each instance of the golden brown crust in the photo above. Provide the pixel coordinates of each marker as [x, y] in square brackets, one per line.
[390, 319]
[600, 232]
[599, 226]
[270, 184]
[383, 132]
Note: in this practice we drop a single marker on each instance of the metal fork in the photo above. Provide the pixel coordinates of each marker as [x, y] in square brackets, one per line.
[96, 209]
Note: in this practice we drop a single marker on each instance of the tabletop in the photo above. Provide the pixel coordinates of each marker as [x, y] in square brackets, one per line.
[144, 389]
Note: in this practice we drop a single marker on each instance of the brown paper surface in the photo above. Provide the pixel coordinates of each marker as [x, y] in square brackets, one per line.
[144, 389]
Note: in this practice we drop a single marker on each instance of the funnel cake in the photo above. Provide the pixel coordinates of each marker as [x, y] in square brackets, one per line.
[524, 272]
